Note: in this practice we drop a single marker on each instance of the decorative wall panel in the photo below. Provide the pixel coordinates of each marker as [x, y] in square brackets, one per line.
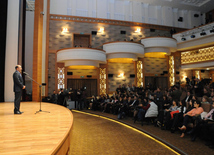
[102, 81]
[57, 40]
[194, 56]
[155, 65]
[61, 78]
[139, 73]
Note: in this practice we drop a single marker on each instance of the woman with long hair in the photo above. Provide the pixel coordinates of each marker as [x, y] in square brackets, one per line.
[191, 116]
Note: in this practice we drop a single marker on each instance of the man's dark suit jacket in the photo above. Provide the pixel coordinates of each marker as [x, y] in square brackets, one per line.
[18, 82]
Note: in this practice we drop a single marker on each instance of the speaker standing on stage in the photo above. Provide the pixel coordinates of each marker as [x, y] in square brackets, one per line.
[18, 86]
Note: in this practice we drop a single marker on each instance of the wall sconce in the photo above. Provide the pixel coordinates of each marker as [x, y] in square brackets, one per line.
[65, 30]
[121, 75]
[101, 30]
[184, 78]
[138, 30]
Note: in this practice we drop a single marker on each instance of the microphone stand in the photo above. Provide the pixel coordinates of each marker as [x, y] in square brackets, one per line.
[40, 92]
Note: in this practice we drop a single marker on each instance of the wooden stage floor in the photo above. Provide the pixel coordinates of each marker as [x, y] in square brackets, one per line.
[30, 133]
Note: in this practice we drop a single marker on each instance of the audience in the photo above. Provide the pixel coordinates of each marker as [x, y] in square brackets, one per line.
[171, 108]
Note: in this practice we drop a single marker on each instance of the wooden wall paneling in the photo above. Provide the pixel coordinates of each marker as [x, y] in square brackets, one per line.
[37, 49]
[47, 47]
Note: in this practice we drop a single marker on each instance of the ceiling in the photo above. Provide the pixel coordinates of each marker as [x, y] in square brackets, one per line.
[197, 5]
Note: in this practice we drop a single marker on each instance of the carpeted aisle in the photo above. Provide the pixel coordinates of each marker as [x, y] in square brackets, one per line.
[98, 136]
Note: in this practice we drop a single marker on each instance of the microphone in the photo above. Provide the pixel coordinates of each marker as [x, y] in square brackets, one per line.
[25, 73]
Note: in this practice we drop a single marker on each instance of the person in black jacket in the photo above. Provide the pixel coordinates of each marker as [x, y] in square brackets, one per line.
[61, 97]
[18, 86]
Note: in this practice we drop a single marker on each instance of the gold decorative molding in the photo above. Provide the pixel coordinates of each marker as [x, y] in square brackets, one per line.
[195, 56]
[102, 81]
[171, 70]
[139, 73]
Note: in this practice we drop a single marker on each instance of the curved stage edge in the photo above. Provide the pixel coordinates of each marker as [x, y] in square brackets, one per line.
[46, 132]
[149, 135]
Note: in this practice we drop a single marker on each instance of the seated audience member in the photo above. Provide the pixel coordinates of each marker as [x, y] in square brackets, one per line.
[166, 113]
[116, 105]
[205, 100]
[165, 103]
[188, 97]
[106, 99]
[108, 105]
[206, 92]
[151, 110]
[136, 112]
[145, 102]
[190, 105]
[93, 103]
[122, 108]
[178, 117]
[202, 128]
[128, 88]
[129, 101]
[191, 116]
[134, 103]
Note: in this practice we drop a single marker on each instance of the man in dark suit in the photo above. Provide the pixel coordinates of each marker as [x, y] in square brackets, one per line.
[188, 97]
[17, 88]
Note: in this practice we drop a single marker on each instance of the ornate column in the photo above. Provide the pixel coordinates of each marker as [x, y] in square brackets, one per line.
[60, 76]
[140, 75]
[103, 78]
[171, 70]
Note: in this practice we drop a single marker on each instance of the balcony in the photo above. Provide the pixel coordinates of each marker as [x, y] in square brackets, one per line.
[81, 57]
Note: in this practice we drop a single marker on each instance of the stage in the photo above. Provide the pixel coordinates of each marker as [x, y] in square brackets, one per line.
[30, 133]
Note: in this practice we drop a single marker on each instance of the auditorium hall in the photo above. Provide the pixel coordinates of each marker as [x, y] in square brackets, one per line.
[107, 77]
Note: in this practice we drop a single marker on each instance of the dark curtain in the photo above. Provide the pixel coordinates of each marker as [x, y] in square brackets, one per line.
[3, 31]
[90, 84]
